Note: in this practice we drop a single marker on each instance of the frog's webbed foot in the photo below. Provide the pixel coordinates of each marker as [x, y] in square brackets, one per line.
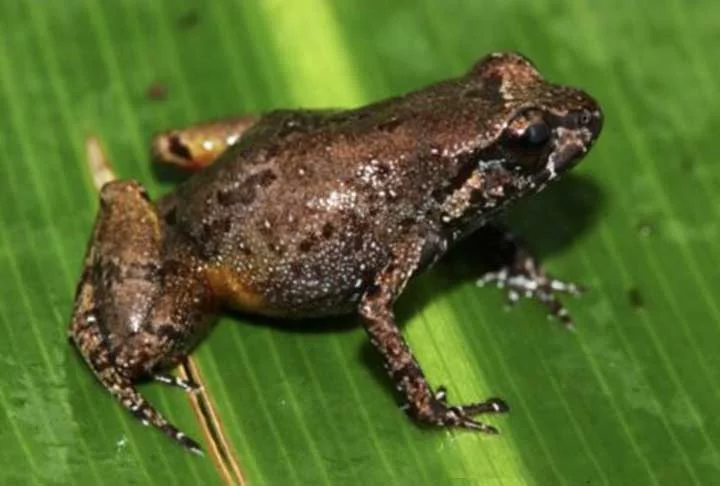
[522, 276]
[422, 403]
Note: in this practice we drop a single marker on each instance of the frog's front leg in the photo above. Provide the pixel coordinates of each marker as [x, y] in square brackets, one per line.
[518, 271]
[135, 312]
[377, 315]
[197, 146]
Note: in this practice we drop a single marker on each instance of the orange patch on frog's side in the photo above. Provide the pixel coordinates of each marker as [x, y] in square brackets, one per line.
[232, 288]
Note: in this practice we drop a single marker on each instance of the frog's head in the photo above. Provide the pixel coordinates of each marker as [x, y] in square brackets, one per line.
[537, 131]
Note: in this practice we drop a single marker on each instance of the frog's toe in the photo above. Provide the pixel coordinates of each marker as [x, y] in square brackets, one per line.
[461, 416]
[555, 307]
[187, 385]
[491, 405]
[465, 422]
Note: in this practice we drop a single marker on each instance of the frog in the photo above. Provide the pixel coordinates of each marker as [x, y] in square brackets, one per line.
[300, 214]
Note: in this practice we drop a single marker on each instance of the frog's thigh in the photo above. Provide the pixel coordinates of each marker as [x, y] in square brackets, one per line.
[197, 146]
[121, 273]
[119, 282]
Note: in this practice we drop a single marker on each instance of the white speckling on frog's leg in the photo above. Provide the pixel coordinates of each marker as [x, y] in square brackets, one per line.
[187, 385]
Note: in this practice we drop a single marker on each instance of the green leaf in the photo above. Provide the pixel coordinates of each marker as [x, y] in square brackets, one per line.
[630, 397]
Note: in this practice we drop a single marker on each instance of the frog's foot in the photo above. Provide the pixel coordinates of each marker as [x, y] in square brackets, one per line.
[526, 278]
[447, 415]
[439, 412]
[89, 340]
[187, 385]
[514, 268]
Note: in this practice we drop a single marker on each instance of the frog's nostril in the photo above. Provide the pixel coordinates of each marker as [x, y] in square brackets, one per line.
[585, 117]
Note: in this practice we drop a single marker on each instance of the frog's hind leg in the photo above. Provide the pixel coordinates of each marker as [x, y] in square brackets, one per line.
[112, 322]
[195, 147]
[87, 336]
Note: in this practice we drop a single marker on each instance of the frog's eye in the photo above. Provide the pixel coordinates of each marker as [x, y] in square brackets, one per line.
[529, 130]
[536, 134]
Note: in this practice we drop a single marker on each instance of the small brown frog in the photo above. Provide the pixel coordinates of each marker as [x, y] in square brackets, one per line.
[304, 213]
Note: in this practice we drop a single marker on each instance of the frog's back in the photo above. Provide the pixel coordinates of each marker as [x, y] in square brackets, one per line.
[305, 208]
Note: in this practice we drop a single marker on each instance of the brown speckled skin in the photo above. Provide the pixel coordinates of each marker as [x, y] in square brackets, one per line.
[314, 213]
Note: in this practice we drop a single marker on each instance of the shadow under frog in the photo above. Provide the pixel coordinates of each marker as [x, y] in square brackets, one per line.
[317, 213]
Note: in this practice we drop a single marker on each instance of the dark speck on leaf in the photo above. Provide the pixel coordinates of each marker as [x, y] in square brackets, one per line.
[636, 299]
[189, 19]
[687, 164]
[157, 91]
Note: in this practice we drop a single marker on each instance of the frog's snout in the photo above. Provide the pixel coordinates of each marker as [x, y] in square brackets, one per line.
[595, 124]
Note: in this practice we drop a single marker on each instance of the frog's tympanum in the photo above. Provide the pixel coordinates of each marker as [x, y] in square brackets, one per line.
[305, 213]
